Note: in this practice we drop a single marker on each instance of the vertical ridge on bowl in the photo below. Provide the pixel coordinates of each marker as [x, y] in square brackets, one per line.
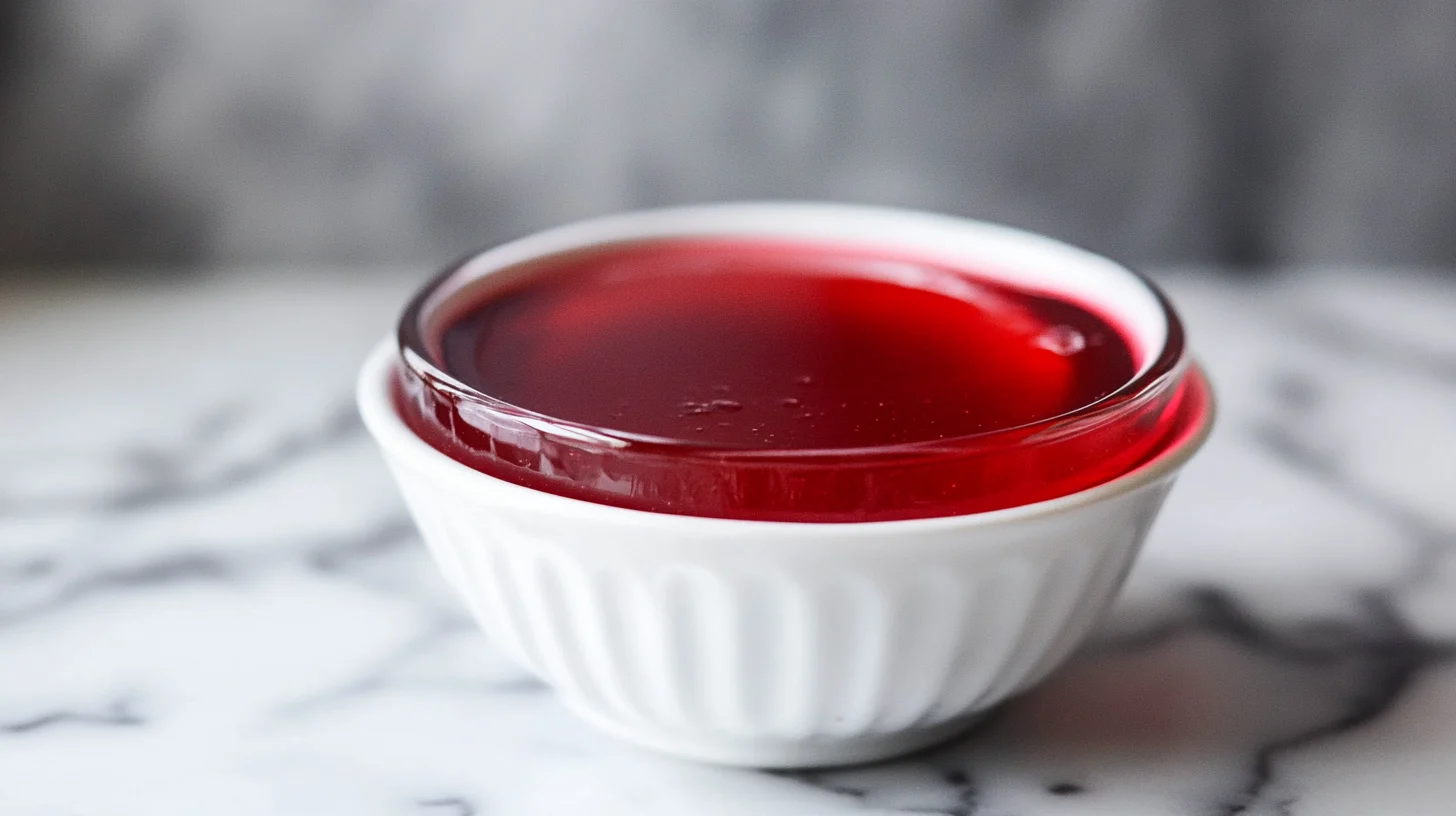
[992, 627]
[1098, 593]
[927, 659]
[1058, 591]
[600, 617]
[563, 644]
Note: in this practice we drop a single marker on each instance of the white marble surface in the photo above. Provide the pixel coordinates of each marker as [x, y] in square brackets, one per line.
[212, 603]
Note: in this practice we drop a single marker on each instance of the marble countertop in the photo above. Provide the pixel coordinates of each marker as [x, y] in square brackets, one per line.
[212, 602]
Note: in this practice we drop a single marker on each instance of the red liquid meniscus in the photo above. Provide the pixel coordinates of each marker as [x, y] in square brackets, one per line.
[774, 381]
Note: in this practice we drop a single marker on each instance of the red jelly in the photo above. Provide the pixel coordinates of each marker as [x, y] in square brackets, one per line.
[778, 381]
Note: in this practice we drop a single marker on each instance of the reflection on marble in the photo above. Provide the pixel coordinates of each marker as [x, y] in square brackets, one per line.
[211, 600]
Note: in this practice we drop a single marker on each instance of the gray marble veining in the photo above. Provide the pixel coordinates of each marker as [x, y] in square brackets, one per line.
[211, 600]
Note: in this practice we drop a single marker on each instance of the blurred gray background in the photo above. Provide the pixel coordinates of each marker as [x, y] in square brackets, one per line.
[223, 132]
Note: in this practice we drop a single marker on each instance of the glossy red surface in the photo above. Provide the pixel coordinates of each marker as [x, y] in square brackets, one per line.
[779, 381]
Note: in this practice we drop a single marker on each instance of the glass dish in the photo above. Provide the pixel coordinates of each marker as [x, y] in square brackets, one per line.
[947, 477]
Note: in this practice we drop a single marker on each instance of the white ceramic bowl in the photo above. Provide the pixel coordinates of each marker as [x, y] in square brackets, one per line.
[771, 644]
[775, 644]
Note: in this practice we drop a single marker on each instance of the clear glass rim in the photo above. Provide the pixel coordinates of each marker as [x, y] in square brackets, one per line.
[1167, 367]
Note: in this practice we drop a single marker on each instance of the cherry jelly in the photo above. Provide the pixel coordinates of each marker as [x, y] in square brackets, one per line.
[777, 381]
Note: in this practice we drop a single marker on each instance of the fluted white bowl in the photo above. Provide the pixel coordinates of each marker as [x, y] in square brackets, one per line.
[771, 644]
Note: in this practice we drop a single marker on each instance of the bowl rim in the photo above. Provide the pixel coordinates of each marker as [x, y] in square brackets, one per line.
[377, 408]
[1162, 368]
